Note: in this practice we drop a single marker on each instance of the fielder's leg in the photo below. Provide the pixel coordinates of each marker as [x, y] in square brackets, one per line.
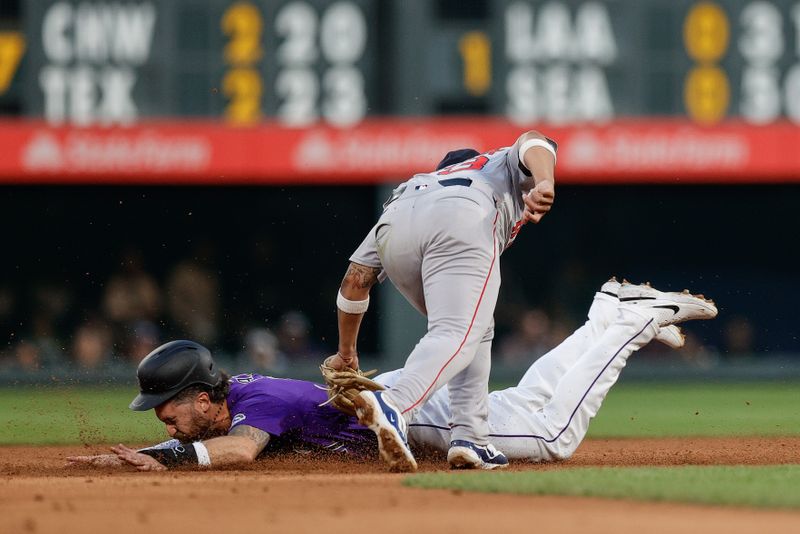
[460, 274]
[469, 403]
[444, 243]
[469, 393]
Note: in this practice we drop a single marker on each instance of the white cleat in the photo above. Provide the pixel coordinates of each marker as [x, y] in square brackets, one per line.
[669, 335]
[667, 308]
[611, 288]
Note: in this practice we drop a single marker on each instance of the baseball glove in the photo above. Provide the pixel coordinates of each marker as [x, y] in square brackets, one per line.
[344, 385]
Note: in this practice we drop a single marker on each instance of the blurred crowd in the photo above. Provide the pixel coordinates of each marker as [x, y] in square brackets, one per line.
[135, 311]
[536, 332]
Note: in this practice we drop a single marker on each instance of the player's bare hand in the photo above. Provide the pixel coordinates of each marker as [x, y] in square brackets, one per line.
[140, 461]
[538, 201]
[342, 360]
[96, 460]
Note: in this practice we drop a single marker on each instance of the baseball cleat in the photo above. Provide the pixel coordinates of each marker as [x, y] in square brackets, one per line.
[389, 426]
[670, 335]
[611, 288]
[467, 455]
[667, 308]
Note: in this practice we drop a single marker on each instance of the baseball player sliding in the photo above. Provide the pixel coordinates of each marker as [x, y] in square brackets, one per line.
[439, 241]
[215, 420]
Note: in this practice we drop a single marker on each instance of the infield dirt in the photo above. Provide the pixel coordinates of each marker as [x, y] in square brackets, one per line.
[297, 493]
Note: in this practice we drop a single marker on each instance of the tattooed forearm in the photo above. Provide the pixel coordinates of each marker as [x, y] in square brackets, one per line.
[258, 436]
[360, 276]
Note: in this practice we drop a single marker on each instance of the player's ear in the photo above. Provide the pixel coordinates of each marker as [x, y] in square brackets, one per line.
[202, 402]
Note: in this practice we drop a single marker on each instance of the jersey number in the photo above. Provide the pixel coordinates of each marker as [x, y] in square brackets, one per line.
[472, 164]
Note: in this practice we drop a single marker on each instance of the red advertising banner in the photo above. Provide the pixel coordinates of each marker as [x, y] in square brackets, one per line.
[665, 151]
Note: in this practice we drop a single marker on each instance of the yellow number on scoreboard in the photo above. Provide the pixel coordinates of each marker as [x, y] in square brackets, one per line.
[12, 46]
[706, 32]
[243, 88]
[707, 94]
[476, 54]
[243, 23]
[706, 90]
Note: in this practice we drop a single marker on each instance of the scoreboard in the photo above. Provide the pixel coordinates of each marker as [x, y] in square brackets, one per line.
[116, 62]
[305, 61]
[289, 66]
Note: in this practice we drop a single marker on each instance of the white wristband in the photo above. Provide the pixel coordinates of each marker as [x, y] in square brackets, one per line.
[351, 306]
[530, 143]
[203, 459]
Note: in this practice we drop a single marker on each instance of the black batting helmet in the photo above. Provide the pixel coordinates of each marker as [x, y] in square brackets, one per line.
[169, 369]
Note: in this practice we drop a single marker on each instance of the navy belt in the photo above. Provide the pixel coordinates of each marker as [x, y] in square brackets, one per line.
[466, 182]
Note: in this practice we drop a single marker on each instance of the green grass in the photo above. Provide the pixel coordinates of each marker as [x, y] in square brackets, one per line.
[71, 415]
[762, 486]
[660, 410]
[44, 415]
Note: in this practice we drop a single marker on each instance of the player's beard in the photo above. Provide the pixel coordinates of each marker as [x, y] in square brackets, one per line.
[201, 428]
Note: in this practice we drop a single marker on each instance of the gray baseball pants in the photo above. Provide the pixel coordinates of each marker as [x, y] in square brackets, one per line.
[439, 247]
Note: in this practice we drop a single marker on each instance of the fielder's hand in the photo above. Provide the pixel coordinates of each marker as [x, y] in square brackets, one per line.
[140, 461]
[538, 201]
[345, 384]
[340, 361]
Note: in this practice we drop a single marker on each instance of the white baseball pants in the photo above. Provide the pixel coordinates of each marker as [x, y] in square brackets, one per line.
[546, 416]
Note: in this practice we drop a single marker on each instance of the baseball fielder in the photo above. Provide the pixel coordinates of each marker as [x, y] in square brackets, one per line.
[439, 240]
[215, 422]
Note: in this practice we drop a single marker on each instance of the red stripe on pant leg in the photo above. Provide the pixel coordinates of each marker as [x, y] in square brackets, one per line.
[472, 322]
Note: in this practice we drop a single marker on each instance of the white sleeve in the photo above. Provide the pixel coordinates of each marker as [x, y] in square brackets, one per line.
[367, 254]
[541, 143]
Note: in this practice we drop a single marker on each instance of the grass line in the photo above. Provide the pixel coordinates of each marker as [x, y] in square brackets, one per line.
[756, 486]
[68, 415]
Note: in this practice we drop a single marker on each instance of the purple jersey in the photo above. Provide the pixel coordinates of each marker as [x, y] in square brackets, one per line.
[290, 411]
